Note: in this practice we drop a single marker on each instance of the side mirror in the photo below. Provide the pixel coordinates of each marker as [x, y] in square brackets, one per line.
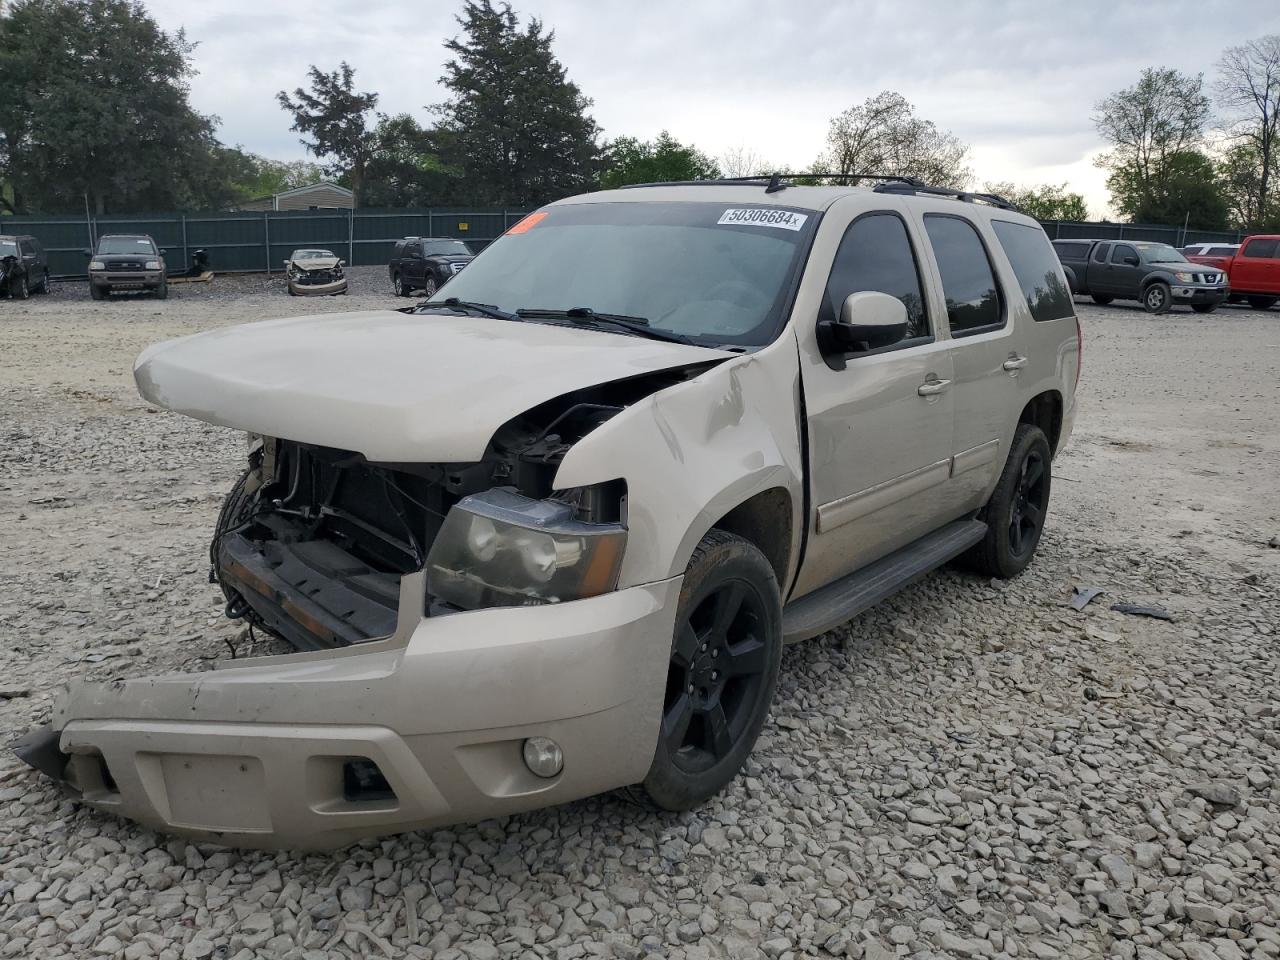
[163, 251]
[1131, 261]
[88, 252]
[868, 320]
[342, 263]
[285, 262]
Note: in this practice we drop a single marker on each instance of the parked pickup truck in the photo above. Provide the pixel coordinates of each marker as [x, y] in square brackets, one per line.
[1253, 270]
[1154, 274]
[545, 535]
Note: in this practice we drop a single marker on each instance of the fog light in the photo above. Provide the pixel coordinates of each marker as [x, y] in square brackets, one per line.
[543, 756]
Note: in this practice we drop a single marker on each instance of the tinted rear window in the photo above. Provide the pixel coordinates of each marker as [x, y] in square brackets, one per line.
[1038, 272]
[1261, 248]
[968, 282]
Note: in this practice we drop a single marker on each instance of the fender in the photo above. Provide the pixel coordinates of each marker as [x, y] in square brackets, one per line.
[691, 453]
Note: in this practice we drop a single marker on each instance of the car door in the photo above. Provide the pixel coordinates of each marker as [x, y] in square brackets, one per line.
[413, 262]
[880, 422]
[1125, 271]
[978, 322]
[1253, 265]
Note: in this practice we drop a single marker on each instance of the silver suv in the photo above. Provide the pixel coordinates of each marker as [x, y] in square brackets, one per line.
[548, 536]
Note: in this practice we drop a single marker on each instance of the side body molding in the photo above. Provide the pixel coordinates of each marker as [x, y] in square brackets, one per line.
[691, 453]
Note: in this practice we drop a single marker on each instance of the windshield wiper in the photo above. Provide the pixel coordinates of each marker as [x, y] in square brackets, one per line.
[585, 316]
[484, 309]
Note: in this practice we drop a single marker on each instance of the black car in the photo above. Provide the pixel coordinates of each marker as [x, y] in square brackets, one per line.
[126, 261]
[426, 263]
[24, 268]
[1154, 274]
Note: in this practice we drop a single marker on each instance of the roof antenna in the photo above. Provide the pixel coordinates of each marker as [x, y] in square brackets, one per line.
[775, 184]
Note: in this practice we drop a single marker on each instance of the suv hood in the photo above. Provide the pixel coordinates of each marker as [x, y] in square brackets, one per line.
[396, 387]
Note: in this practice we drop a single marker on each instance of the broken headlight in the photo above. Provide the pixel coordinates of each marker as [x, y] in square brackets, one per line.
[501, 549]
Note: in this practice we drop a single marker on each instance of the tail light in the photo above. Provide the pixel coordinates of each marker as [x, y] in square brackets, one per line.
[1079, 351]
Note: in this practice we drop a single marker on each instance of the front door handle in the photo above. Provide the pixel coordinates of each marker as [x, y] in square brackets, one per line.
[1015, 363]
[931, 388]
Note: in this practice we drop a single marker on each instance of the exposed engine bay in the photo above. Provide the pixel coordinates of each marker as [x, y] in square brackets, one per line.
[312, 542]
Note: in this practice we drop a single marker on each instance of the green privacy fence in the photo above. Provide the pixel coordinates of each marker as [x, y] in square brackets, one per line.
[254, 241]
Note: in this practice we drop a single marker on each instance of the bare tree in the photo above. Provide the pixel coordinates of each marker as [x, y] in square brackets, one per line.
[883, 135]
[743, 162]
[1248, 90]
[1149, 125]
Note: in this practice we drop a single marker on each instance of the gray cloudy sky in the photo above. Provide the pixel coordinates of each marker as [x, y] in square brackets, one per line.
[1016, 80]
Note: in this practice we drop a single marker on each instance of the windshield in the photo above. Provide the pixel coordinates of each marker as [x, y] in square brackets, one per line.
[1160, 253]
[713, 271]
[309, 254]
[445, 248]
[8, 248]
[139, 245]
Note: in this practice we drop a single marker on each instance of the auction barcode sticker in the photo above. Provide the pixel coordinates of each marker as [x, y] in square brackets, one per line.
[763, 217]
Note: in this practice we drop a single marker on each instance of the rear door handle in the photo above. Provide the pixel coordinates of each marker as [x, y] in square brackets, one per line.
[1015, 363]
[931, 388]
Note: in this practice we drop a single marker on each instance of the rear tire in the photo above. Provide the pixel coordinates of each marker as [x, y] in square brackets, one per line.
[44, 285]
[1157, 298]
[1204, 307]
[1101, 299]
[1261, 303]
[722, 673]
[397, 285]
[430, 289]
[1016, 512]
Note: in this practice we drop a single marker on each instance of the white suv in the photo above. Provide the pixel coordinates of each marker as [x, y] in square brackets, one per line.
[548, 536]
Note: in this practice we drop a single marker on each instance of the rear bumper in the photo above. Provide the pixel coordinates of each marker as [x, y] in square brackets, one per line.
[253, 755]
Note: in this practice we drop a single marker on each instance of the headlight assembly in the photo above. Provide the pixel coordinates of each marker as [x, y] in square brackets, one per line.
[97, 265]
[152, 265]
[501, 549]
[1184, 277]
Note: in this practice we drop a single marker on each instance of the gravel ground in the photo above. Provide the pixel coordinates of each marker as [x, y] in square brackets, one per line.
[971, 769]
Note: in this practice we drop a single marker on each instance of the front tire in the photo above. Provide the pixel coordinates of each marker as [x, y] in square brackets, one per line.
[162, 292]
[1101, 299]
[1157, 298]
[96, 292]
[1204, 307]
[1016, 512]
[20, 289]
[722, 673]
[1261, 303]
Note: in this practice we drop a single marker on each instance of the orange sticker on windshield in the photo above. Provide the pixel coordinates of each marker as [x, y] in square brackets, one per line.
[528, 223]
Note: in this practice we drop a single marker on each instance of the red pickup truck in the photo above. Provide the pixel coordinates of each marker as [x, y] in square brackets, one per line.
[1253, 271]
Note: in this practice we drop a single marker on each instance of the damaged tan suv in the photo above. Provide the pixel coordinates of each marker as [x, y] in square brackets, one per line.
[548, 536]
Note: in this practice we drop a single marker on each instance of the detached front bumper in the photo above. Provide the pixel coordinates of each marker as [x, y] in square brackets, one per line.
[318, 289]
[1194, 293]
[258, 754]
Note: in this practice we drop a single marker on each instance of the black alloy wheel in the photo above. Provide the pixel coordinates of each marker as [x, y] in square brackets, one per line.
[717, 670]
[1030, 503]
[721, 675]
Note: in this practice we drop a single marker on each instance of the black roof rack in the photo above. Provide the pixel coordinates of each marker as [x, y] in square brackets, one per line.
[890, 183]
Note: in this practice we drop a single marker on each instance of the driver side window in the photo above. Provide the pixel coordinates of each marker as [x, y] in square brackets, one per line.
[876, 254]
[1121, 251]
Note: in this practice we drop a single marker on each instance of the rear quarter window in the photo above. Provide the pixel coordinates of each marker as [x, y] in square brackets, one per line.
[1037, 269]
[1261, 248]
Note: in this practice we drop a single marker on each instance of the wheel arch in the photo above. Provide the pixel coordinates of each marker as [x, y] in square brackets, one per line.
[1044, 410]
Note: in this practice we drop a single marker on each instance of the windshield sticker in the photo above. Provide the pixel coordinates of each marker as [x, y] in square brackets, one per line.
[763, 217]
[529, 222]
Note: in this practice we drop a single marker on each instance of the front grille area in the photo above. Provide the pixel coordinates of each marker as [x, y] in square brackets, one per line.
[317, 277]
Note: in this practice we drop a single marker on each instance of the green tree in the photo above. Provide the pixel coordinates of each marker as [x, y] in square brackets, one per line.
[1239, 173]
[883, 135]
[405, 169]
[1048, 201]
[96, 107]
[333, 114]
[1248, 90]
[1153, 128]
[1188, 191]
[628, 160]
[515, 125]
